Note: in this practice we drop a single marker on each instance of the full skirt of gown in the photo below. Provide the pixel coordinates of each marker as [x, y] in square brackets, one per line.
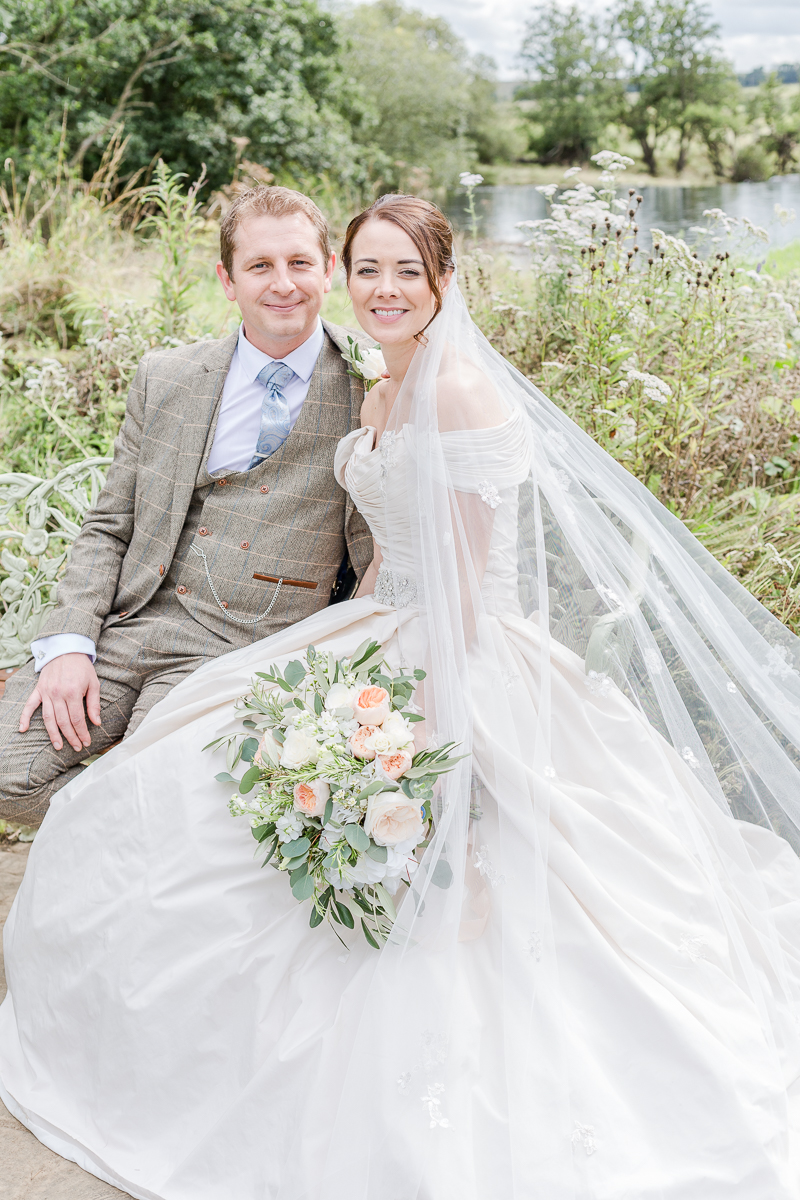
[169, 1006]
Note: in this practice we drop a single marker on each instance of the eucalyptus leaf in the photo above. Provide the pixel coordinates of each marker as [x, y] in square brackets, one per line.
[318, 704]
[249, 779]
[304, 888]
[379, 853]
[225, 777]
[316, 918]
[442, 876]
[298, 873]
[326, 816]
[249, 747]
[294, 673]
[300, 845]
[345, 916]
[357, 838]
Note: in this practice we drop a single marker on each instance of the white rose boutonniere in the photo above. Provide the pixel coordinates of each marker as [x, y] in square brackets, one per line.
[364, 364]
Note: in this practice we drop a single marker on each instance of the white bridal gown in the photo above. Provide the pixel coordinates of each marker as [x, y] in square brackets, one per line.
[169, 1006]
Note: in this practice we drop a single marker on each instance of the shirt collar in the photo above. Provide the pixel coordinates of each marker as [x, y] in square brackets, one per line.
[302, 360]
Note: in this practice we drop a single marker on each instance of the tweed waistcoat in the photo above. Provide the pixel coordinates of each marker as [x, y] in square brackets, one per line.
[284, 518]
[133, 548]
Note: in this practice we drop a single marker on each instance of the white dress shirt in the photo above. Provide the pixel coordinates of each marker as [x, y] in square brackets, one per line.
[235, 440]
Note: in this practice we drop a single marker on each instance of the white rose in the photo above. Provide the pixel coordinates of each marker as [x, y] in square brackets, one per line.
[300, 747]
[339, 696]
[396, 728]
[379, 741]
[372, 364]
[393, 818]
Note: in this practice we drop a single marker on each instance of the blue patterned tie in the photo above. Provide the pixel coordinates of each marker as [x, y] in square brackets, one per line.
[275, 424]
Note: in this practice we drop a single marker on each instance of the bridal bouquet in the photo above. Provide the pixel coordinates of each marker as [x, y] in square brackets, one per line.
[335, 791]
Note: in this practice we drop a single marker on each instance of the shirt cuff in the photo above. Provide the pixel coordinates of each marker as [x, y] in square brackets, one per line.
[45, 649]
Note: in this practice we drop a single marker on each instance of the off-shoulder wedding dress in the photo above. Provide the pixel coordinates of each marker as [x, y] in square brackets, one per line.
[601, 1006]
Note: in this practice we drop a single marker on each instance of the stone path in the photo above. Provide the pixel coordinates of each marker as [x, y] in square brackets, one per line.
[28, 1171]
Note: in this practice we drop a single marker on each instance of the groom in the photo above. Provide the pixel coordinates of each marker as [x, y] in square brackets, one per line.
[222, 484]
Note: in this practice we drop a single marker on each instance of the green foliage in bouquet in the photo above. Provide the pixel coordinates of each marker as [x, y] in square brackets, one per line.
[335, 793]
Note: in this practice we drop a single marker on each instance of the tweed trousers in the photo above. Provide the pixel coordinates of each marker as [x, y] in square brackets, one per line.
[136, 586]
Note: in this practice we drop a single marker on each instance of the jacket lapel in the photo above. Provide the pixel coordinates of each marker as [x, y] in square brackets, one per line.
[203, 383]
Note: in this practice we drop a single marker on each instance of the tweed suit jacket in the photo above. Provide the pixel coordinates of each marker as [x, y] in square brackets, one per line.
[127, 541]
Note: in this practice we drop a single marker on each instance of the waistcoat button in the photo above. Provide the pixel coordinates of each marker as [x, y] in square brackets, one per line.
[264, 488]
[203, 531]
[181, 590]
[245, 545]
[221, 482]
[161, 568]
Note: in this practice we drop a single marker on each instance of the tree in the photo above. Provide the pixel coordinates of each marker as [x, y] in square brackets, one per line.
[184, 77]
[416, 77]
[677, 78]
[781, 115]
[574, 73]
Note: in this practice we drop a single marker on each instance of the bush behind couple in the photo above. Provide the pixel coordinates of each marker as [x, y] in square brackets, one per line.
[222, 482]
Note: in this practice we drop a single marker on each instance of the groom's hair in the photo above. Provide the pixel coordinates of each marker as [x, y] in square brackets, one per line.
[273, 202]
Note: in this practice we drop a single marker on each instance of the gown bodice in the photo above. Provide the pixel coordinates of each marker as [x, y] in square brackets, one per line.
[490, 463]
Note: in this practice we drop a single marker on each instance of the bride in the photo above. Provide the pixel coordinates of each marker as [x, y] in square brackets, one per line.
[592, 989]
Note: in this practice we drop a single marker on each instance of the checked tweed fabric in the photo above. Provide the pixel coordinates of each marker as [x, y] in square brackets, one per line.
[287, 516]
[275, 418]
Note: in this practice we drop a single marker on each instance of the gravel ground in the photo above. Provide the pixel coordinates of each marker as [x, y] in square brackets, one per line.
[28, 1171]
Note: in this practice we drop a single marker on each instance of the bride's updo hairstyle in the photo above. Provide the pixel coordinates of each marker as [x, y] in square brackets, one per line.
[429, 230]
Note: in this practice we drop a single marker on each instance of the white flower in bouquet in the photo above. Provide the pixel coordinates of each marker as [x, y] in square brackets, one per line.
[392, 818]
[299, 748]
[398, 730]
[289, 827]
[340, 696]
[379, 742]
[372, 706]
[310, 798]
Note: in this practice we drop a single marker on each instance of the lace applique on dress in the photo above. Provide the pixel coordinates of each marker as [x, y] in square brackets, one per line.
[487, 868]
[432, 1057]
[694, 948]
[397, 591]
[599, 684]
[584, 1136]
[387, 448]
[489, 494]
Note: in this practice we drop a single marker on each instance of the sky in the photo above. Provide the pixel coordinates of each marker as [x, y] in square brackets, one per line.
[753, 34]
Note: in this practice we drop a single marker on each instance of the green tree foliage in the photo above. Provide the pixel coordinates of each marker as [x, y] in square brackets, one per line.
[429, 105]
[184, 76]
[574, 74]
[780, 113]
[677, 77]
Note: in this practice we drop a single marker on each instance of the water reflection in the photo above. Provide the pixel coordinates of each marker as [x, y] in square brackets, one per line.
[669, 207]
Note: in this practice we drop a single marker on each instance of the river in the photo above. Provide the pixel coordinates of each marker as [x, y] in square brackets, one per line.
[670, 207]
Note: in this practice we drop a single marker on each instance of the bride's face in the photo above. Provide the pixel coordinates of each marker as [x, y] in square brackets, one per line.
[392, 299]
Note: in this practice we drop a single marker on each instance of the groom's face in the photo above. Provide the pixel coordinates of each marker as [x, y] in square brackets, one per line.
[279, 279]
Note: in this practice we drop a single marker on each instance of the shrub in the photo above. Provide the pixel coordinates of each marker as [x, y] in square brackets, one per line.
[751, 163]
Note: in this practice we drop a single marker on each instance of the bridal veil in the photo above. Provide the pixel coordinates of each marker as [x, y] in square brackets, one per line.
[603, 570]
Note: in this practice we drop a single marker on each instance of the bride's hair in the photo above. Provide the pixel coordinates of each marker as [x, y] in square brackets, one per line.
[429, 230]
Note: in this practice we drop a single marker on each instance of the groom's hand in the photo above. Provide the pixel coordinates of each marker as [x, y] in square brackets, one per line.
[60, 690]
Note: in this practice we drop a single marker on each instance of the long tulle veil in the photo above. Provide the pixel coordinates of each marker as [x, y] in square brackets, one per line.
[605, 571]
